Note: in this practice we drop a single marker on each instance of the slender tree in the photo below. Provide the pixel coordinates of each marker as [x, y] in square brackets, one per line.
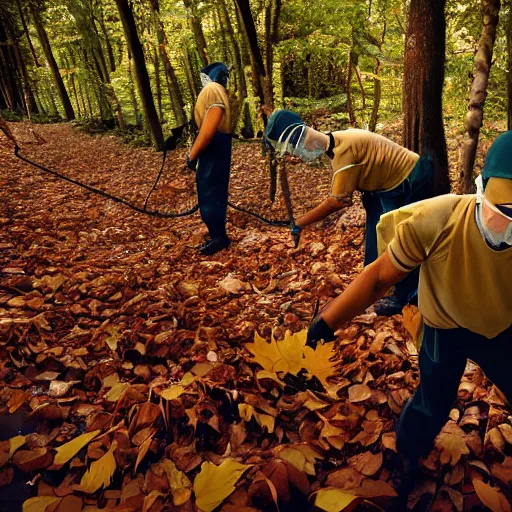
[509, 65]
[143, 82]
[52, 63]
[197, 31]
[423, 85]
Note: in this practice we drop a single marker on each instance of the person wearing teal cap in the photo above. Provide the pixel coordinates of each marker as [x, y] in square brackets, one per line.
[211, 155]
[388, 175]
[462, 245]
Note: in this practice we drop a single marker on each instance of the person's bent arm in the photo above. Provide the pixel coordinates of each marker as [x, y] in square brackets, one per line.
[368, 287]
[328, 206]
[207, 132]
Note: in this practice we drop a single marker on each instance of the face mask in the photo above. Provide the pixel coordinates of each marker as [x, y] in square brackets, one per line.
[283, 145]
[305, 148]
[496, 227]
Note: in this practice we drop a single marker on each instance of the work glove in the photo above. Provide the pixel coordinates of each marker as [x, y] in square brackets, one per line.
[319, 330]
[295, 232]
[191, 164]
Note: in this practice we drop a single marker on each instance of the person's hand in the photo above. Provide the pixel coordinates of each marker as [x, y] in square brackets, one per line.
[319, 330]
[295, 232]
[191, 164]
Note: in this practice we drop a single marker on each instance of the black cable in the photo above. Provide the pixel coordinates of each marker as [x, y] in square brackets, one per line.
[152, 213]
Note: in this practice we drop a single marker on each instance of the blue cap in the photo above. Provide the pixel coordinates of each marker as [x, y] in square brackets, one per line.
[218, 72]
[498, 163]
[281, 122]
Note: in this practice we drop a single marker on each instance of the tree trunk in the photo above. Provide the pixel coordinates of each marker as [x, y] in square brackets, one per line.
[27, 34]
[133, 95]
[45, 44]
[141, 71]
[173, 85]
[158, 85]
[377, 90]
[110, 51]
[27, 89]
[192, 84]
[197, 31]
[423, 86]
[509, 66]
[242, 84]
[348, 90]
[475, 116]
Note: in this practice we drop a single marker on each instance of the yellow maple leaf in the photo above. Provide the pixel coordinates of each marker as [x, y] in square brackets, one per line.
[279, 356]
[181, 487]
[100, 473]
[69, 450]
[247, 411]
[214, 483]
[318, 362]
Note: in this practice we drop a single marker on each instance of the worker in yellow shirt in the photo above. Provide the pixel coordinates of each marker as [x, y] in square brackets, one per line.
[463, 247]
[211, 154]
[388, 175]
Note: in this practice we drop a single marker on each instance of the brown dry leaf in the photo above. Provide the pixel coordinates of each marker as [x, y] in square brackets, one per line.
[181, 487]
[70, 504]
[359, 393]
[425, 487]
[345, 478]
[506, 432]
[456, 498]
[247, 412]
[491, 497]
[367, 463]
[450, 442]
[389, 441]
[496, 438]
[39, 503]
[153, 502]
[6, 476]
[68, 450]
[18, 398]
[100, 473]
[503, 471]
[413, 322]
[263, 487]
[214, 483]
[32, 460]
[143, 450]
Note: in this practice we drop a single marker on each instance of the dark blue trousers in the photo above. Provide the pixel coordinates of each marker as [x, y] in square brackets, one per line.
[418, 186]
[212, 181]
[442, 361]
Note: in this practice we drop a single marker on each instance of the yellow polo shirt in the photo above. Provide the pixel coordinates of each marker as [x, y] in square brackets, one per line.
[366, 161]
[463, 282]
[213, 95]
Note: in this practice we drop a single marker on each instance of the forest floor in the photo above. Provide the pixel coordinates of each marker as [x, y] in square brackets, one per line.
[115, 333]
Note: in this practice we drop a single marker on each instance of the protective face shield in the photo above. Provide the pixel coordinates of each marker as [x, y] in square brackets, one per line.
[301, 141]
[495, 220]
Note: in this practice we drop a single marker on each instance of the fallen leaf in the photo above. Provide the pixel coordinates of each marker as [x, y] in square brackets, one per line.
[100, 473]
[214, 483]
[320, 363]
[359, 393]
[450, 442]
[39, 503]
[181, 487]
[68, 450]
[302, 456]
[491, 497]
[15, 443]
[367, 463]
[333, 500]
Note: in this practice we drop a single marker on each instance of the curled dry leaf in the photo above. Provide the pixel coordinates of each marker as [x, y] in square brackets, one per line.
[451, 444]
[359, 393]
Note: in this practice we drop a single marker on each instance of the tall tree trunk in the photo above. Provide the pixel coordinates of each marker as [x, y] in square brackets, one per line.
[173, 85]
[133, 95]
[377, 87]
[158, 84]
[423, 86]
[187, 64]
[108, 44]
[197, 31]
[348, 90]
[242, 84]
[27, 89]
[509, 65]
[475, 116]
[45, 43]
[141, 71]
[27, 34]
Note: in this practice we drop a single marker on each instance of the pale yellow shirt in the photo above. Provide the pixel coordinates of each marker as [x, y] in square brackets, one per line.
[376, 163]
[463, 282]
[213, 95]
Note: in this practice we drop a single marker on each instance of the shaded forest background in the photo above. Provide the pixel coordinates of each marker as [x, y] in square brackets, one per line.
[134, 66]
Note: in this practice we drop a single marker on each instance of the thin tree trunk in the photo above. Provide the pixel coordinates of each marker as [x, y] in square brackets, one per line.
[377, 90]
[475, 116]
[173, 85]
[27, 34]
[192, 85]
[143, 82]
[158, 85]
[348, 90]
[197, 31]
[108, 44]
[509, 66]
[423, 86]
[45, 43]
[133, 95]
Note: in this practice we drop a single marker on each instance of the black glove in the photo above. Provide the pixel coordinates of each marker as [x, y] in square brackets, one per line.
[295, 231]
[319, 330]
[191, 164]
